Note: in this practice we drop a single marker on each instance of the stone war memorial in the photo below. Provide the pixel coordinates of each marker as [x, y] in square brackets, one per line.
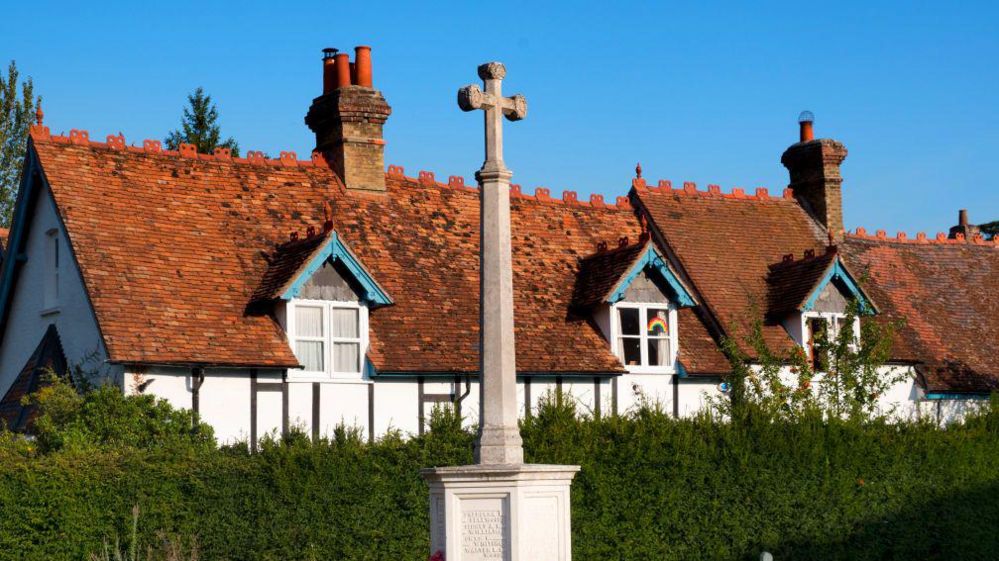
[500, 508]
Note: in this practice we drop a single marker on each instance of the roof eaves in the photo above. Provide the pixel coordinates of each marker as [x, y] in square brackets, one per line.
[651, 257]
[837, 270]
[334, 247]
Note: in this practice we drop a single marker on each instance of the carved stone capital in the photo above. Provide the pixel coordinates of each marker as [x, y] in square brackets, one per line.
[492, 71]
[493, 171]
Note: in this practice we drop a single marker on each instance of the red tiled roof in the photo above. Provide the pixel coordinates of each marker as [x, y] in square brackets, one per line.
[699, 352]
[285, 262]
[4, 234]
[943, 293]
[171, 247]
[725, 242]
[601, 272]
[792, 281]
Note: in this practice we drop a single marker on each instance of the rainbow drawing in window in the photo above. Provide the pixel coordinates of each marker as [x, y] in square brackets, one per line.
[658, 326]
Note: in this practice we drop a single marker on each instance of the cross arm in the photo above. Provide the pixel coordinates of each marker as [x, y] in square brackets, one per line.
[472, 97]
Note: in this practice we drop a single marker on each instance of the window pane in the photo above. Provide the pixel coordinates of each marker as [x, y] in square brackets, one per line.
[308, 321]
[631, 350]
[345, 322]
[629, 321]
[659, 353]
[310, 354]
[346, 357]
[658, 324]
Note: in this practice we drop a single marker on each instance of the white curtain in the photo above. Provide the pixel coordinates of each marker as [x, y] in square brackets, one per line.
[310, 353]
[345, 323]
[346, 357]
[309, 324]
[308, 321]
[659, 353]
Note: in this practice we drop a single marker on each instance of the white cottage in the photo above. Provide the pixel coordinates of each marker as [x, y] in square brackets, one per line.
[266, 294]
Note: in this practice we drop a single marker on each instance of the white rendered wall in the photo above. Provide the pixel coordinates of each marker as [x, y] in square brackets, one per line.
[470, 405]
[695, 395]
[73, 317]
[300, 407]
[949, 411]
[656, 390]
[581, 391]
[901, 401]
[225, 400]
[541, 388]
[396, 406]
[225, 404]
[342, 404]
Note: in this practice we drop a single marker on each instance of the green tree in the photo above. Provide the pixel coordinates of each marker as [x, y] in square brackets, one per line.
[200, 126]
[990, 229]
[16, 113]
[846, 382]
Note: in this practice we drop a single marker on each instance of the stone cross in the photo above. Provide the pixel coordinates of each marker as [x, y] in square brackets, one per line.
[498, 441]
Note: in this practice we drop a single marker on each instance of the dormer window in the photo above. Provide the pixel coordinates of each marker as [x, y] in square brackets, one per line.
[810, 296]
[329, 337]
[633, 296]
[646, 336]
[825, 327]
[321, 294]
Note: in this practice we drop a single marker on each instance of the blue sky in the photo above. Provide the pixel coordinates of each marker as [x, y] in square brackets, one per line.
[708, 94]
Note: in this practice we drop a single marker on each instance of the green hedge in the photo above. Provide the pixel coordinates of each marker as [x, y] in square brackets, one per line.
[650, 488]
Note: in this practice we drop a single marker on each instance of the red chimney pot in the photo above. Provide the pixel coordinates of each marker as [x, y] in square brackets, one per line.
[805, 121]
[342, 70]
[362, 66]
[329, 70]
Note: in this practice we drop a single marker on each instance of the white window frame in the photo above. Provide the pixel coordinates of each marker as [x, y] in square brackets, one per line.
[643, 308]
[50, 297]
[329, 342]
[834, 321]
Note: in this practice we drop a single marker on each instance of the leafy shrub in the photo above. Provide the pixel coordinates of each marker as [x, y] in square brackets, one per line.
[651, 487]
[104, 416]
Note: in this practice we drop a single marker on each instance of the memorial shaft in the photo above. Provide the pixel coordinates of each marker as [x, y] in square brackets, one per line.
[498, 441]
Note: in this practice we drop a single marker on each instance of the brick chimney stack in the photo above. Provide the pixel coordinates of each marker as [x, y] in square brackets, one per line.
[963, 227]
[813, 165]
[348, 120]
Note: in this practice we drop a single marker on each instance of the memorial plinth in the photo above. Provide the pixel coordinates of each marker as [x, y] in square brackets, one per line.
[500, 512]
[499, 509]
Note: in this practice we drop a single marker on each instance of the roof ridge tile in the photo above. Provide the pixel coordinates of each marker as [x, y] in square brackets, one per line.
[690, 189]
[860, 233]
[81, 137]
[808, 255]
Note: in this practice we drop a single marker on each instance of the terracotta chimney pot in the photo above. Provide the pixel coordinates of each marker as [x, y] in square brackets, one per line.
[342, 70]
[362, 66]
[329, 70]
[805, 122]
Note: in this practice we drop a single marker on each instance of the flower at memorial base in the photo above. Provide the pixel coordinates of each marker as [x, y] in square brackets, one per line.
[437, 556]
[860, 482]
